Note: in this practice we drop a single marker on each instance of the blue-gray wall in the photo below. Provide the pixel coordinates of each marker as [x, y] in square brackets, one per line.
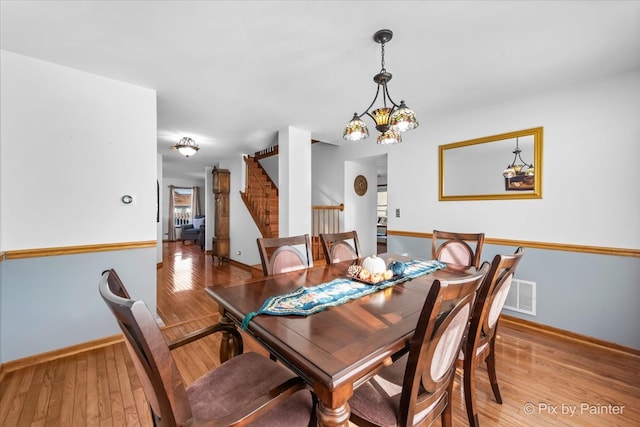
[53, 301]
[589, 294]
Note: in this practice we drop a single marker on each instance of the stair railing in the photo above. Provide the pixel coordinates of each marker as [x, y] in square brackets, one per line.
[325, 219]
[257, 197]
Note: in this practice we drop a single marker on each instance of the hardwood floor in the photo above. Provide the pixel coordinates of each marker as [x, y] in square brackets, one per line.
[186, 271]
[544, 380]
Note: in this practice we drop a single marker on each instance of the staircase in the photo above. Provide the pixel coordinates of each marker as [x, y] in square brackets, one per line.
[261, 198]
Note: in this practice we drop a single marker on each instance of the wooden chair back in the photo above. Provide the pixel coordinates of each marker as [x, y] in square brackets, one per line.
[237, 392]
[339, 247]
[480, 340]
[457, 248]
[281, 254]
[156, 368]
[491, 298]
[434, 348]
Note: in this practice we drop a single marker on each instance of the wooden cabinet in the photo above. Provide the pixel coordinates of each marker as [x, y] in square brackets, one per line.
[221, 226]
[220, 241]
[220, 248]
[221, 181]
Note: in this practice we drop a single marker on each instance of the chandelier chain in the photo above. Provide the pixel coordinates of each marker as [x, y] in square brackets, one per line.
[382, 57]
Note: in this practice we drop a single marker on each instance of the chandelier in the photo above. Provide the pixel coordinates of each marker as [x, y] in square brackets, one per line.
[187, 147]
[390, 119]
[522, 169]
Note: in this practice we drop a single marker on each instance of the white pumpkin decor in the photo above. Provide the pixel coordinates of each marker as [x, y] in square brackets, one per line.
[371, 270]
[374, 264]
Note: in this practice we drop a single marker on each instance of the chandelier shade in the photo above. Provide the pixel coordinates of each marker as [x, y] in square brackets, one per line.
[186, 146]
[403, 119]
[389, 137]
[356, 129]
[391, 118]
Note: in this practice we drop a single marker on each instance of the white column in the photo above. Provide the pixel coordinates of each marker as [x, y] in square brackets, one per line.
[294, 176]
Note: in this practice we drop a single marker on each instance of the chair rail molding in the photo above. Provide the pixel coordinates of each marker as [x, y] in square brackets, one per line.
[71, 250]
[566, 247]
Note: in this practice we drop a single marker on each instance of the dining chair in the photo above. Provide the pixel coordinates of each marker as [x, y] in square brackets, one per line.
[339, 247]
[416, 389]
[457, 247]
[481, 338]
[248, 388]
[282, 254]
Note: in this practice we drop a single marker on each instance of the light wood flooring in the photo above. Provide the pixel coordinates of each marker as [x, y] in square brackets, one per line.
[545, 380]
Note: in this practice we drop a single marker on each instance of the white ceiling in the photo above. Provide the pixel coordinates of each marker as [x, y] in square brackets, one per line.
[230, 74]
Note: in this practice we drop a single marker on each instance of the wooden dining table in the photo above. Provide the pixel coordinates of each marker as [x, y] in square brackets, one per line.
[337, 349]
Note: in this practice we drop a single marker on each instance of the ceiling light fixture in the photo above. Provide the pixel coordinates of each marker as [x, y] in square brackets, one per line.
[518, 169]
[390, 120]
[187, 147]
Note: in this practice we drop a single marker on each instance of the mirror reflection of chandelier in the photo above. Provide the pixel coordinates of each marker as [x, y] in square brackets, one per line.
[187, 147]
[390, 119]
[518, 169]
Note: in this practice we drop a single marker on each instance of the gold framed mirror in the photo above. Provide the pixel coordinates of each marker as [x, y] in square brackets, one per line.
[504, 166]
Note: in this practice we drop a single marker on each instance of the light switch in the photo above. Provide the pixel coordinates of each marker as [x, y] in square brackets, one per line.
[397, 212]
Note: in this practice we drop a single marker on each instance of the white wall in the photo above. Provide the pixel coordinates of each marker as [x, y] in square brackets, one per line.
[161, 199]
[327, 179]
[208, 207]
[590, 135]
[294, 176]
[71, 144]
[243, 231]
[1, 263]
[270, 166]
[66, 163]
[590, 142]
[360, 211]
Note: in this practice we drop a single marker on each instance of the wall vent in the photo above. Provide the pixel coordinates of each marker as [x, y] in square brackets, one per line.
[521, 297]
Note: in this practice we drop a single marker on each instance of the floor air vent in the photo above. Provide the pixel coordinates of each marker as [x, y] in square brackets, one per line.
[522, 297]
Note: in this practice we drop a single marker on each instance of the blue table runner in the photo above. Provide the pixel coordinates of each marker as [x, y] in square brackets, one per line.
[305, 301]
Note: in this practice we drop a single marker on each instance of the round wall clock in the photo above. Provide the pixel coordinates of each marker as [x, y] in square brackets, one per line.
[360, 185]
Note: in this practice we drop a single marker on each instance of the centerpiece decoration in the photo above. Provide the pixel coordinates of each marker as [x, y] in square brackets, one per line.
[397, 268]
[305, 301]
[373, 269]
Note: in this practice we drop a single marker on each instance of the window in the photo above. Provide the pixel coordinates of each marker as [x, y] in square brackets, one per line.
[182, 206]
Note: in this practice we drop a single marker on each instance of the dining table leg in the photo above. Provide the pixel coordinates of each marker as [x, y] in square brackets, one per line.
[333, 406]
[230, 344]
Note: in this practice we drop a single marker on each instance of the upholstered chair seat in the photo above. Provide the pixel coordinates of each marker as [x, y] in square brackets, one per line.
[378, 400]
[241, 380]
